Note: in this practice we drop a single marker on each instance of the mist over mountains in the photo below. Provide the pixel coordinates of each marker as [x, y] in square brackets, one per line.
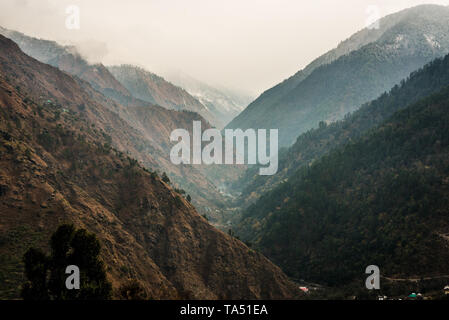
[215, 106]
[60, 164]
[357, 71]
[226, 104]
[369, 188]
[153, 122]
[149, 87]
[363, 175]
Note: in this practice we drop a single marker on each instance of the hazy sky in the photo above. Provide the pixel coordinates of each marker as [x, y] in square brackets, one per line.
[246, 44]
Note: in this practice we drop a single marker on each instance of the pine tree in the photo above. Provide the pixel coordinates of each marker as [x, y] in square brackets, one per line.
[46, 274]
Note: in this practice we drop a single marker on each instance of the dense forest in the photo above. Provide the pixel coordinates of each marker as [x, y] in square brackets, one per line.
[381, 200]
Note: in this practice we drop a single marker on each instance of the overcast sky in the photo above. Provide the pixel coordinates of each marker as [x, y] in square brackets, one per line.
[246, 44]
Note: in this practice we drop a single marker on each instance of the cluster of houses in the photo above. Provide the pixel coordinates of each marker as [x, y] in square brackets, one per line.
[416, 296]
[411, 296]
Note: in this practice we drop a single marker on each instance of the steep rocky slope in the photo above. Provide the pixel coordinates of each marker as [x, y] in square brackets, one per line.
[150, 124]
[57, 166]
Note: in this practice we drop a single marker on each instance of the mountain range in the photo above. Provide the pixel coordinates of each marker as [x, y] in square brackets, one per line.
[379, 197]
[61, 163]
[154, 89]
[363, 175]
[316, 143]
[152, 110]
[224, 103]
[126, 82]
[357, 71]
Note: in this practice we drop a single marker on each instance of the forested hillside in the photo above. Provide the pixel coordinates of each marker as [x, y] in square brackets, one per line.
[317, 142]
[382, 199]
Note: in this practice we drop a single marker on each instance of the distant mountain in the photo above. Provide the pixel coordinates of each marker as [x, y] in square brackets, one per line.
[63, 156]
[380, 200]
[316, 143]
[152, 88]
[142, 84]
[358, 70]
[225, 104]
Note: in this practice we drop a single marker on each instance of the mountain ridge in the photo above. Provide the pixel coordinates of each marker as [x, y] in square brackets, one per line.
[362, 67]
[317, 142]
[224, 103]
[152, 88]
[380, 199]
[57, 168]
[67, 58]
[151, 124]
